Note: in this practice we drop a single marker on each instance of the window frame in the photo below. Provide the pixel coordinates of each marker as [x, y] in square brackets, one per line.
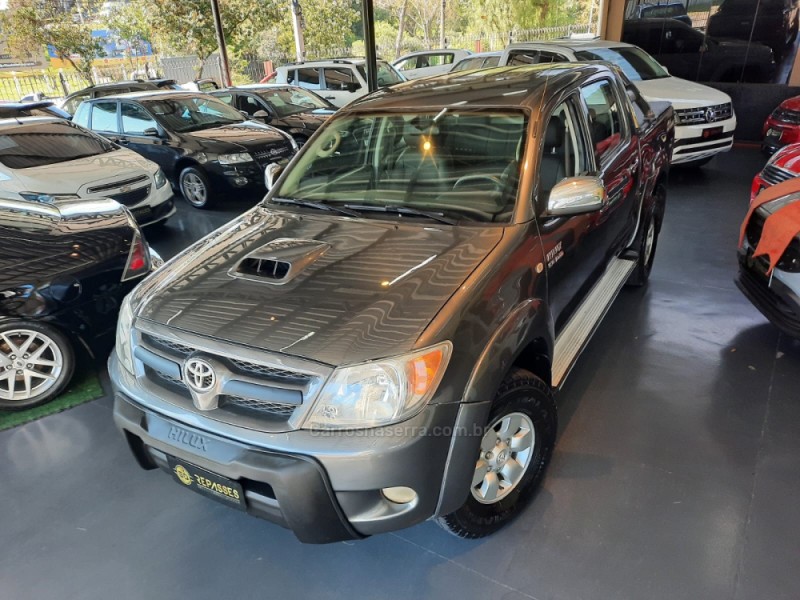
[156, 124]
[601, 163]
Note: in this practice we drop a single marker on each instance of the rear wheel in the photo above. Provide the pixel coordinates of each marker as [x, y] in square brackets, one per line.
[515, 449]
[195, 187]
[647, 244]
[36, 363]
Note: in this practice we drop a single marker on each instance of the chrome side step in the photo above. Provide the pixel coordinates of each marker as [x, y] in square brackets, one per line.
[582, 325]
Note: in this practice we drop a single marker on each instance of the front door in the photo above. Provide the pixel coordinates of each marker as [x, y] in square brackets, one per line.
[141, 133]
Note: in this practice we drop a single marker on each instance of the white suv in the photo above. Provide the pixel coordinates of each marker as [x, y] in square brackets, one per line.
[52, 160]
[338, 80]
[704, 117]
[429, 62]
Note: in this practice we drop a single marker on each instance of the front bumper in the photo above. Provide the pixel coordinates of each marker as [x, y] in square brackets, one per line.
[778, 134]
[324, 486]
[691, 145]
[776, 297]
[249, 176]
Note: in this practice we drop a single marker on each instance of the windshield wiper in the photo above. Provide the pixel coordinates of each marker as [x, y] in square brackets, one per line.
[316, 205]
[403, 210]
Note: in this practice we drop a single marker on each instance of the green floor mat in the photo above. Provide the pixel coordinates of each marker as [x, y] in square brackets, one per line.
[83, 388]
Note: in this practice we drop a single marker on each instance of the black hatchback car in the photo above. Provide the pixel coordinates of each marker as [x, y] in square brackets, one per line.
[64, 271]
[203, 145]
[292, 109]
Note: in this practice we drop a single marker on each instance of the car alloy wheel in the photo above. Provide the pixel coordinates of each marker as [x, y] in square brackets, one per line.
[506, 450]
[31, 365]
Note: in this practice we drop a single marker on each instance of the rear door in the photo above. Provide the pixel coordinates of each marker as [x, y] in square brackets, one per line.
[341, 85]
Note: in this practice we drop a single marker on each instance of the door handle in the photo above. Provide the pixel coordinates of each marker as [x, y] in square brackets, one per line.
[329, 97]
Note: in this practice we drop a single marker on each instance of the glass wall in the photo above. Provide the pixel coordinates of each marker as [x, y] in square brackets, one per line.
[753, 41]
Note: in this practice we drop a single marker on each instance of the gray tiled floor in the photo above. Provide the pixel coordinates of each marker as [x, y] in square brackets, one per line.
[675, 474]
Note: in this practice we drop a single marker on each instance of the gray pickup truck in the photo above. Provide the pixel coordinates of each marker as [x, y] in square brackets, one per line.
[379, 341]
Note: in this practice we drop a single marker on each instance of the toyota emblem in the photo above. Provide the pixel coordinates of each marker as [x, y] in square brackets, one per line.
[199, 375]
[711, 115]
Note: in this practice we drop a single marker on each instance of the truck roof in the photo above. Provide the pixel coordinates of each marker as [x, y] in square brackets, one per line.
[497, 87]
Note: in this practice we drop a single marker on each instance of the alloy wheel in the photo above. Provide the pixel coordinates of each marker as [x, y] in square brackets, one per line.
[194, 189]
[506, 450]
[31, 364]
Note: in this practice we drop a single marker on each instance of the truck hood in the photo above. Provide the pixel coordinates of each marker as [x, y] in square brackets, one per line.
[681, 93]
[354, 289]
[75, 176]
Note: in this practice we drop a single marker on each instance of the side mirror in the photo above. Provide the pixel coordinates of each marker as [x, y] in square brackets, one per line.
[263, 115]
[575, 196]
[245, 114]
[666, 70]
[151, 132]
[271, 174]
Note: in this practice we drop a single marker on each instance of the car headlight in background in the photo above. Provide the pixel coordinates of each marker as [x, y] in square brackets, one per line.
[124, 333]
[160, 179]
[47, 198]
[235, 159]
[381, 392]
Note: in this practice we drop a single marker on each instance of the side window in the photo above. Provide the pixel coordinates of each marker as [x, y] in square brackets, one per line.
[104, 116]
[248, 104]
[604, 118]
[564, 152]
[306, 78]
[72, 104]
[408, 64]
[226, 98]
[550, 57]
[533, 57]
[135, 119]
[341, 79]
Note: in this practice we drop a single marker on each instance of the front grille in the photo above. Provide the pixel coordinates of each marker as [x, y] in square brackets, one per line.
[704, 114]
[99, 189]
[281, 380]
[784, 115]
[250, 404]
[790, 260]
[272, 154]
[132, 197]
[773, 175]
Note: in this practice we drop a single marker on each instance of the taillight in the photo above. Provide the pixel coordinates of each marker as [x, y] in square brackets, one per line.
[138, 259]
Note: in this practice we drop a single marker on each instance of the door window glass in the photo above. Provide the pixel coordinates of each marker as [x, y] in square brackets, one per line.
[604, 118]
[104, 116]
[341, 79]
[306, 78]
[135, 119]
[564, 152]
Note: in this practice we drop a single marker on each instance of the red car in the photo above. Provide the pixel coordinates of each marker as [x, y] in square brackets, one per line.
[783, 165]
[782, 127]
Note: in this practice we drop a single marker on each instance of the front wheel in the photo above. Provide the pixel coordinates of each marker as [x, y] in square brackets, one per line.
[515, 449]
[195, 187]
[36, 363]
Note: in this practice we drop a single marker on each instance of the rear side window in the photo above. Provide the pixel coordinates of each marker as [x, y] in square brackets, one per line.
[42, 144]
[470, 63]
[533, 57]
[305, 78]
[605, 125]
[104, 116]
[72, 104]
[408, 64]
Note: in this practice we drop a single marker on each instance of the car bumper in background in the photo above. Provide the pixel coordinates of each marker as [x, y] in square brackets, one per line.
[777, 297]
[778, 134]
[697, 142]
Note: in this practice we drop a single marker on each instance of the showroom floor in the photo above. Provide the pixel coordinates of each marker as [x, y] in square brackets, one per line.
[675, 475]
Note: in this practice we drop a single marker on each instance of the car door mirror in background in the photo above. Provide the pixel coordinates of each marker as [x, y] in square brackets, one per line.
[263, 115]
[271, 174]
[575, 196]
[151, 132]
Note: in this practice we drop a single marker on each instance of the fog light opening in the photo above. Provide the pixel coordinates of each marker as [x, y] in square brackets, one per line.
[240, 181]
[399, 495]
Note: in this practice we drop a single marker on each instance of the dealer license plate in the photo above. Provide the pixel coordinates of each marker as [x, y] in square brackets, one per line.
[774, 133]
[209, 484]
[711, 132]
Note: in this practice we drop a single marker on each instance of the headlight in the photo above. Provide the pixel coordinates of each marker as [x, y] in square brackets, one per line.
[47, 198]
[124, 333]
[160, 179]
[379, 393]
[235, 159]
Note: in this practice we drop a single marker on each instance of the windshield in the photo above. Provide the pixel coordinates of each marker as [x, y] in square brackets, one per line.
[42, 144]
[192, 113]
[637, 64]
[387, 74]
[292, 101]
[460, 163]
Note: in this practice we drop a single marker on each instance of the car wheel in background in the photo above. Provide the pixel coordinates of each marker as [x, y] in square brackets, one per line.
[195, 187]
[515, 449]
[36, 363]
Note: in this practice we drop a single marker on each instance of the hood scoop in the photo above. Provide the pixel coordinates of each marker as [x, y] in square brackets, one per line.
[279, 261]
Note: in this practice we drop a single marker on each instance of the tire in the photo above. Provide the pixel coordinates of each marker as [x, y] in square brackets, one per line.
[195, 187]
[522, 399]
[647, 245]
[45, 351]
